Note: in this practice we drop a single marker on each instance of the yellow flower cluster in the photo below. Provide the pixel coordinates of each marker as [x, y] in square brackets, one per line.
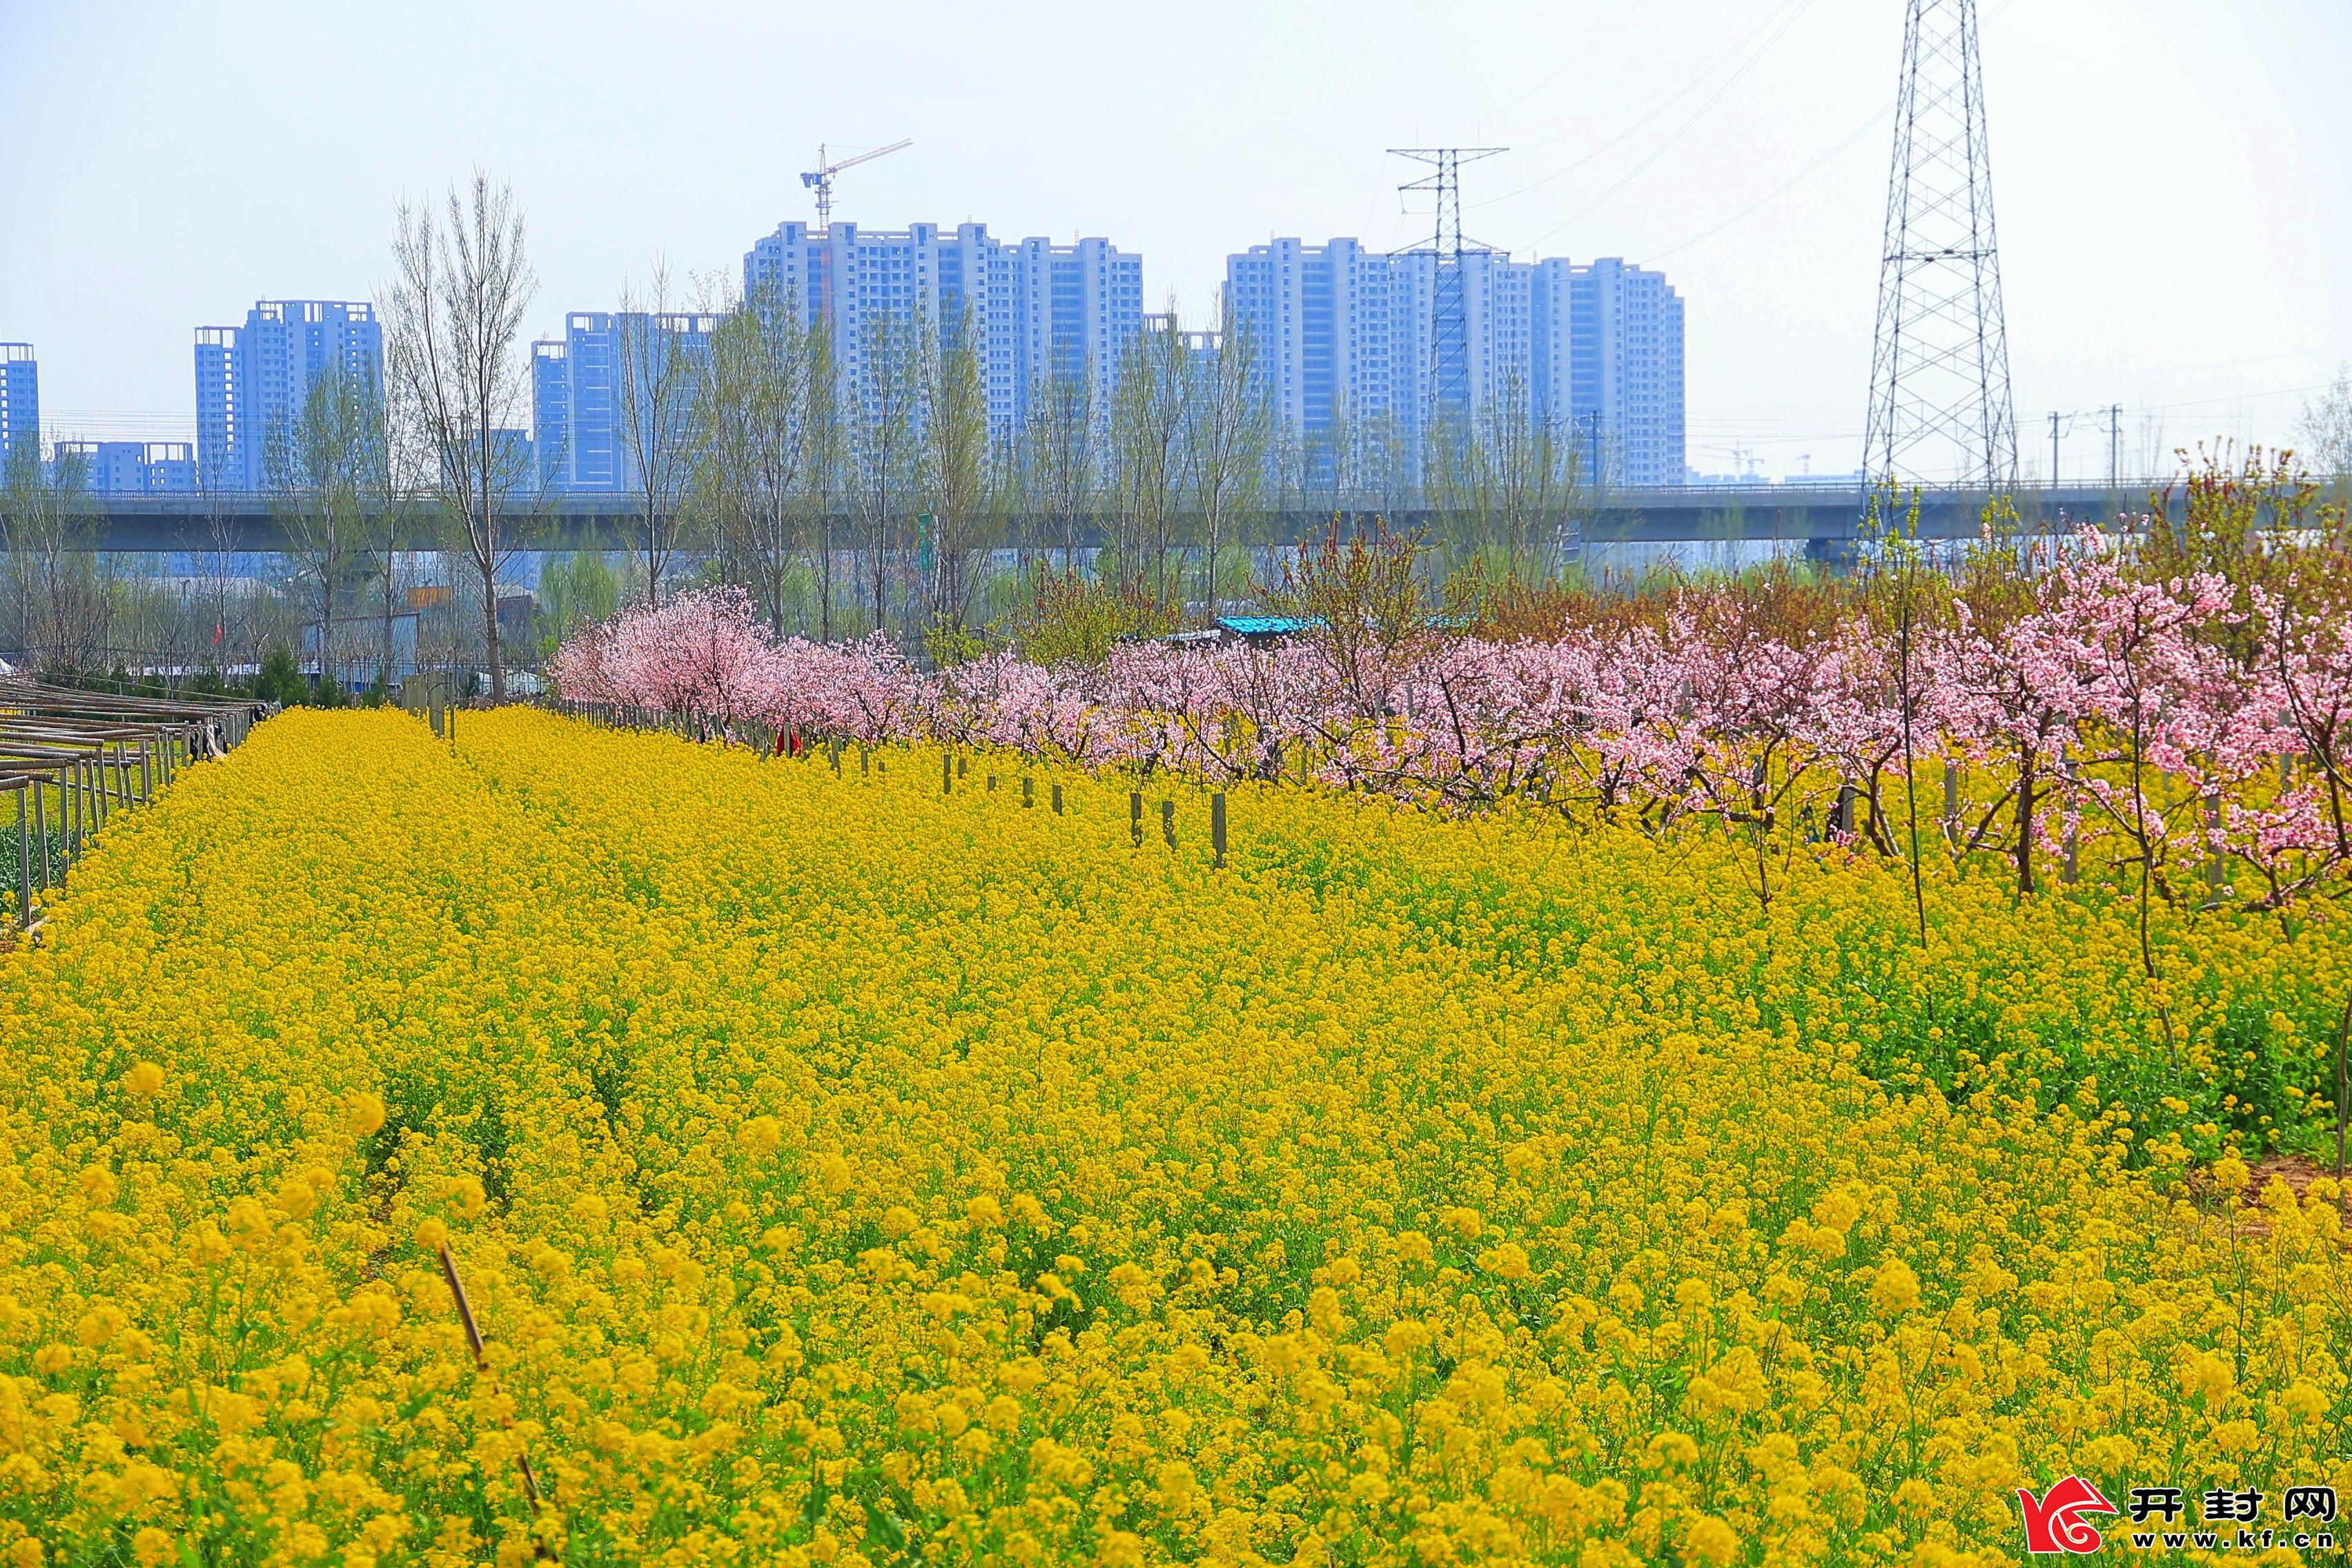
[840, 1168]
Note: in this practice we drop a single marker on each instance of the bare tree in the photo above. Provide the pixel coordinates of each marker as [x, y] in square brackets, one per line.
[1061, 456]
[1332, 462]
[957, 468]
[2327, 429]
[1385, 463]
[217, 575]
[1505, 485]
[1227, 432]
[458, 381]
[825, 464]
[750, 440]
[658, 368]
[48, 529]
[1147, 435]
[887, 468]
[323, 470]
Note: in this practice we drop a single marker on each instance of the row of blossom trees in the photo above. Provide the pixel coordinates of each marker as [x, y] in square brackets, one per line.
[2171, 733]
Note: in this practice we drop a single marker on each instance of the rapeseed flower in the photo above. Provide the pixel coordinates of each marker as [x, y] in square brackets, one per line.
[843, 1171]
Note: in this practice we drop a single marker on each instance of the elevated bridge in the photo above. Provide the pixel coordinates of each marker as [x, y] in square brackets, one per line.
[1823, 519]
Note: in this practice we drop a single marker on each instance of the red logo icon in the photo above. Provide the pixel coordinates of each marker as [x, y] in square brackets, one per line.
[2055, 1521]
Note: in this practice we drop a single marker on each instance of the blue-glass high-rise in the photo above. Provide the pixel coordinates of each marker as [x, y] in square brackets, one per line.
[1342, 341]
[1038, 312]
[252, 381]
[134, 468]
[1608, 367]
[579, 427]
[20, 396]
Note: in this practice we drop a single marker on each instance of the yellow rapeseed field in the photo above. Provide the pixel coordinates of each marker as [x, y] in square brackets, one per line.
[836, 1169]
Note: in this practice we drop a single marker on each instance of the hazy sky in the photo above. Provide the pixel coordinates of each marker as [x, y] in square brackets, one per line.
[2175, 193]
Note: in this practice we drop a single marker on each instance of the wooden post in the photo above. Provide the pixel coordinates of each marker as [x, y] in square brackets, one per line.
[947, 775]
[1951, 802]
[1167, 821]
[41, 829]
[991, 783]
[959, 765]
[1845, 820]
[24, 868]
[1028, 792]
[146, 774]
[2343, 1037]
[69, 804]
[1135, 815]
[1217, 826]
[482, 1367]
[1057, 800]
[864, 759]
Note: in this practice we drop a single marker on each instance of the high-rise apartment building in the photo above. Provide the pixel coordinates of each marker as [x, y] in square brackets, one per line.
[1343, 336]
[135, 467]
[578, 383]
[1343, 340]
[1608, 366]
[253, 380]
[1039, 310]
[20, 396]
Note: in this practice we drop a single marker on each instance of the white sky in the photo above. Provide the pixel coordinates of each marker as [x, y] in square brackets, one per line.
[2175, 196]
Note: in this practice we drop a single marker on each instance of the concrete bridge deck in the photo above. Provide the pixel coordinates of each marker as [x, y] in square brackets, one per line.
[1819, 515]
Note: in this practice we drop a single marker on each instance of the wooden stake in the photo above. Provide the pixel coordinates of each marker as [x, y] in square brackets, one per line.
[1167, 821]
[1217, 826]
[1028, 793]
[24, 868]
[482, 1366]
[2343, 1035]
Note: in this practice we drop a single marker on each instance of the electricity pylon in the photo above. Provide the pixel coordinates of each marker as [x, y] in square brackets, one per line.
[1448, 389]
[1939, 399]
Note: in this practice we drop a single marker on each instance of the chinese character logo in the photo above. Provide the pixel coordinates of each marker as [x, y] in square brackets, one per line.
[2055, 1522]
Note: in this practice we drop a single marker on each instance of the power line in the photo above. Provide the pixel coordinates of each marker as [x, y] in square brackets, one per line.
[1666, 146]
[1664, 105]
[1810, 170]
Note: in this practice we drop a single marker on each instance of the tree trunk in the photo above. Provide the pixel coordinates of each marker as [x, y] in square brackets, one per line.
[2025, 828]
[491, 636]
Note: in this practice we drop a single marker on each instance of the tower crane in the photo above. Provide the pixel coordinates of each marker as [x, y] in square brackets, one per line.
[820, 179]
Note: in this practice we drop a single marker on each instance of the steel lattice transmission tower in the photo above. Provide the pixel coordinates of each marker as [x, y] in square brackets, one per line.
[1448, 390]
[1939, 398]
